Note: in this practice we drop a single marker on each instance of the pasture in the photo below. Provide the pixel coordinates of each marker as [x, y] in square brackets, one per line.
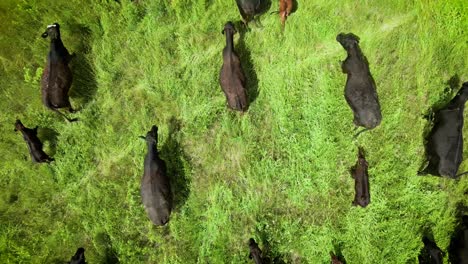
[278, 173]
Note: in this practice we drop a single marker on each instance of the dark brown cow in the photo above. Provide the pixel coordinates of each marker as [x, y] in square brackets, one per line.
[444, 149]
[33, 142]
[57, 77]
[360, 89]
[79, 257]
[248, 9]
[361, 178]
[285, 9]
[155, 188]
[458, 250]
[335, 259]
[231, 77]
[430, 253]
[255, 252]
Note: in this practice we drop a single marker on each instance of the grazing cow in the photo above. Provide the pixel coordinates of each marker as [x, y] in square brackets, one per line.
[335, 259]
[155, 188]
[285, 8]
[360, 89]
[33, 142]
[79, 257]
[255, 252]
[430, 254]
[444, 147]
[231, 77]
[57, 76]
[248, 9]
[458, 250]
[361, 178]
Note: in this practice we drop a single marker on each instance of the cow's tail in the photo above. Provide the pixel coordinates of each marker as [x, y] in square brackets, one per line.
[461, 174]
[358, 133]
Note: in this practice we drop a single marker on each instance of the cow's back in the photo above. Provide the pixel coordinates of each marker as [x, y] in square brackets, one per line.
[155, 190]
[56, 81]
[446, 142]
[232, 81]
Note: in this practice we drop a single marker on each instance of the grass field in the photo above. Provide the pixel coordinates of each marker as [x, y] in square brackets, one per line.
[279, 173]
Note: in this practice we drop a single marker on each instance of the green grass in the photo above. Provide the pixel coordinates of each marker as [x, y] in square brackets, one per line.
[278, 173]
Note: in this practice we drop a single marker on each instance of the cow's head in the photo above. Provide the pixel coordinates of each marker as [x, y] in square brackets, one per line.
[53, 31]
[347, 40]
[18, 125]
[79, 257]
[229, 28]
[152, 135]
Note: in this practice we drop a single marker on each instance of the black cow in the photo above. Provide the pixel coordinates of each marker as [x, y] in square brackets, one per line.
[458, 250]
[361, 178]
[444, 147]
[360, 89]
[33, 142]
[231, 77]
[57, 76]
[430, 254]
[79, 257]
[248, 9]
[255, 252]
[155, 187]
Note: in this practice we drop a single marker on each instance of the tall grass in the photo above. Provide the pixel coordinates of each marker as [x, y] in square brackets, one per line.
[278, 173]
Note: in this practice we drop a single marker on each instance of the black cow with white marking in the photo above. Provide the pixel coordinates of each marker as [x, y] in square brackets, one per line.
[57, 76]
[444, 146]
[360, 89]
[155, 187]
[33, 142]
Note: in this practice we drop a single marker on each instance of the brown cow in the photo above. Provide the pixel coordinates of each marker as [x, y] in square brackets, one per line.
[231, 77]
[33, 142]
[255, 252]
[335, 259]
[57, 76]
[361, 177]
[285, 9]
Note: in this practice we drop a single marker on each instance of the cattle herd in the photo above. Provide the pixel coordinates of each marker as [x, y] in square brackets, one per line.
[444, 145]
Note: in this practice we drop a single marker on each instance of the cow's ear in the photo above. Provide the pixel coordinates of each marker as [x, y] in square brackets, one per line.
[45, 34]
[222, 31]
[250, 255]
[142, 137]
[35, 130]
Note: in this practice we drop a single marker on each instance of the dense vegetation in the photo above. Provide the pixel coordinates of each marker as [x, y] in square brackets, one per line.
[279, 173]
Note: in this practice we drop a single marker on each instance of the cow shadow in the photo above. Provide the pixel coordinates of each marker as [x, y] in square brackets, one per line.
[249, 69]
[444, 99]
[175, 158]
[295, 6]
[84, 84]
[49, 135]
[106, 251]
[265, 5]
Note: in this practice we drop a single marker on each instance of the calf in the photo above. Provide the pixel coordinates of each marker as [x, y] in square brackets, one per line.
[285, 8]
[360, 89]
[33, 142]
[430, 254]
[57, 76]
[79, 257]
[361, 177]
[444, 147]
[255, 252]
[155, 188]
[231, 77]
[458, 250]
[248, 9]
